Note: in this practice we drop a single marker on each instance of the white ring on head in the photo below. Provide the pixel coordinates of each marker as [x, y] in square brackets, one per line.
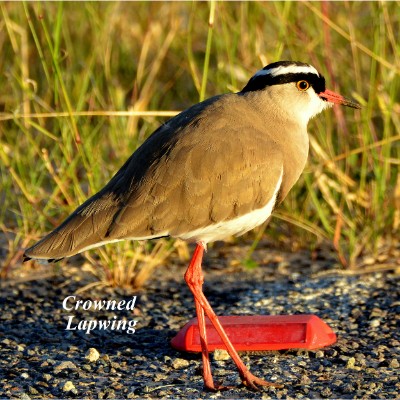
[288, 69]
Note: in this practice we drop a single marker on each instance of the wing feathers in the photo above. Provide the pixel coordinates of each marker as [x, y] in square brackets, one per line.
[207, 165]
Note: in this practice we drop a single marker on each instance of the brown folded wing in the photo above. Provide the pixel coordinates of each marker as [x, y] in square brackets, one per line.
[207, 165]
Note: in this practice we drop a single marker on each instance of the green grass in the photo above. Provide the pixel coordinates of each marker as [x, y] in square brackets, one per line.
[77, 85]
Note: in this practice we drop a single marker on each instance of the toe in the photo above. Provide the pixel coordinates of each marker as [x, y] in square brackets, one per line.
[252, 382]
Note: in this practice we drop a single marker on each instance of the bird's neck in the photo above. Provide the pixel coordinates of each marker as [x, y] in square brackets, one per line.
[290, 134]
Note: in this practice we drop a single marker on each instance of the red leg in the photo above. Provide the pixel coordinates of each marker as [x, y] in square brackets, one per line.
[207, 375]
[192, 274]
[194, 279]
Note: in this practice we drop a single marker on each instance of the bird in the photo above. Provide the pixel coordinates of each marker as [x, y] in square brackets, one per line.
[218, 169]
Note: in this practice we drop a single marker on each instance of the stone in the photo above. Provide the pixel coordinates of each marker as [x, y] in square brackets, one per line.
[92, 355]
[221, 355]
[180, 363]
[64, 365]
[69, 387]
[394, 363]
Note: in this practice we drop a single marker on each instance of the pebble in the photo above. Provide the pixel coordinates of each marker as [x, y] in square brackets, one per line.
[351, 363]
[221, 355]
[305, 380]
[32, 390]
[394, 363]
[326, 393]
[375, 323]
[180, 363]
[92, 355]
[69, 387]
[64, 365]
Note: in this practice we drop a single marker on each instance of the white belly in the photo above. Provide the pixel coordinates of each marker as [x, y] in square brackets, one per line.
[237, 226]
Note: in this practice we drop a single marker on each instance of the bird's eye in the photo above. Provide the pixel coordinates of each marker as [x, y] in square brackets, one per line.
[302, 85]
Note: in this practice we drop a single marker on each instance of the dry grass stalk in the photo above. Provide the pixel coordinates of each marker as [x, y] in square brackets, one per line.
[125, 264]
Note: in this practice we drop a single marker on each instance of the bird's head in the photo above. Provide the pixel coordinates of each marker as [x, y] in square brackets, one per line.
[295, 89]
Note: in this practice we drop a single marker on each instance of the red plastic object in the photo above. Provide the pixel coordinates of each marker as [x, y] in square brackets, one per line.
[259, 333]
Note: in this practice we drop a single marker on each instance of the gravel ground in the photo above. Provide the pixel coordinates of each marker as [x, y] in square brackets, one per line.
[40, 358]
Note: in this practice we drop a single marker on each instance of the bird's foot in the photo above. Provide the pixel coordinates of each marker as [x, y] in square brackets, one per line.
[248, 379]
[216, 387]
[252, 382]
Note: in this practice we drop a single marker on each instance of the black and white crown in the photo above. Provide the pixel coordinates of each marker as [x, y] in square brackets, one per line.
[282, 72]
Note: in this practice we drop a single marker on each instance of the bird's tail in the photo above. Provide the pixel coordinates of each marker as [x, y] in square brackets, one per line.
[86, 228]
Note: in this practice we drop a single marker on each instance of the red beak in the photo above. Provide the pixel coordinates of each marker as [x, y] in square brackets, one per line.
[338, 99]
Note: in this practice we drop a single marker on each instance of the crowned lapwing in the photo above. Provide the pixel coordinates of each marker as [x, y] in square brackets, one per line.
[217, 169]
